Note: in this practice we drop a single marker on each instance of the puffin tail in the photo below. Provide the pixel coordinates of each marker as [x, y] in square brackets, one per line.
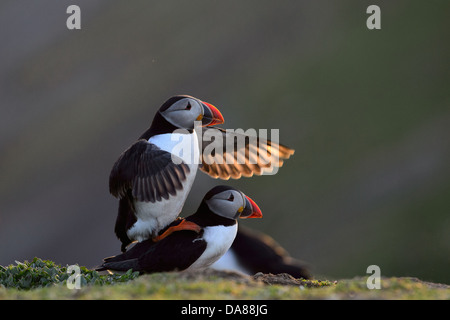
[120, 265]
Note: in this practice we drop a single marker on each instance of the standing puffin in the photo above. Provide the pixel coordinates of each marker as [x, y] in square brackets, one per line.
[151, 186]
[195, 242]
[152, 183]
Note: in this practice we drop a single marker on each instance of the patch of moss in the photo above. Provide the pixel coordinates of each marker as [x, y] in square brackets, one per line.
[43, 273]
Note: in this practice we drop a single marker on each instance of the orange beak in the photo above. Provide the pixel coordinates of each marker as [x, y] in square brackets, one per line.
[251, 209]
[211, 115]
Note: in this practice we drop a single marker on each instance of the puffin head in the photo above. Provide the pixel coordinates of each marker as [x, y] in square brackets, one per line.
[231, 203]
[182, 111]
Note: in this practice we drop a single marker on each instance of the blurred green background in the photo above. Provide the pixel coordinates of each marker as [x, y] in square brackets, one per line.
[367, 111]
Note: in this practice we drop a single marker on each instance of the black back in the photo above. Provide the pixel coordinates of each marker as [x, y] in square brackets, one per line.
[175, 252]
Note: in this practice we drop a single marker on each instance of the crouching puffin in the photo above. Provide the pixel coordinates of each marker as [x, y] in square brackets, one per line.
[195, 242]
[152, 181]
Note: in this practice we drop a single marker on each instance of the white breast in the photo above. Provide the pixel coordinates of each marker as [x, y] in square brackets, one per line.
[184, 146]
[152, 217]
[219, 239]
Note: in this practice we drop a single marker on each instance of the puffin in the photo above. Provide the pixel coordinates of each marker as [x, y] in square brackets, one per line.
[191, 243]
[152, 180]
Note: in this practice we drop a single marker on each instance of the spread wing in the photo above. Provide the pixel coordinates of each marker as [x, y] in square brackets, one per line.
[229, 154]
[148, 172]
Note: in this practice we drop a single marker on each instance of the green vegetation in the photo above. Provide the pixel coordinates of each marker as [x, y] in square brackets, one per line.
[43, 273]
[41, 279]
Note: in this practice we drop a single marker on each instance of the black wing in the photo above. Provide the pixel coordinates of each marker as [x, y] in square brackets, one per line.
[125, 220]
[176, 252]
[148, 172]
[133, 253]
[241, 154]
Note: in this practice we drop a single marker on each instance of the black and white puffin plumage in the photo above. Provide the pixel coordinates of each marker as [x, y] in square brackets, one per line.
[191, 249]
[152, 183]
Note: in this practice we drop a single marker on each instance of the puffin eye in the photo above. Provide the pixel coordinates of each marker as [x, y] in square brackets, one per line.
[188, 107]
[231, 197]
